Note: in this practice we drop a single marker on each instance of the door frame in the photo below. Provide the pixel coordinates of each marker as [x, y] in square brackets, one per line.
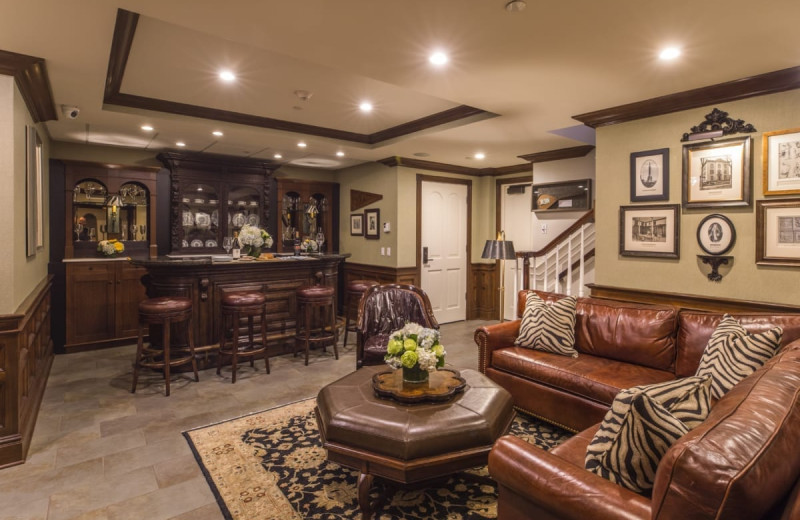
[450, 180]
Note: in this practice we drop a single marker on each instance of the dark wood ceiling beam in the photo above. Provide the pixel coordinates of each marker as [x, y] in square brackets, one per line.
[762, 84]
[453, 168]
[557, 155]
[30, 74]
[121, 43]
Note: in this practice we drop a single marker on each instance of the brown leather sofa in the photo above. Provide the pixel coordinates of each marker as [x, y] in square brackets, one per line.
[741, 463]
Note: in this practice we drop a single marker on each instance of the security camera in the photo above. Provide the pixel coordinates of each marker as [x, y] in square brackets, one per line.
[70, 111]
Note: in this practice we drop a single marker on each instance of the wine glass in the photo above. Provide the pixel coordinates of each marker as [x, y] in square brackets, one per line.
[92, 234]
[133, 231]
[104, 230]
[143, 231]
[320, 240]
[227, 244]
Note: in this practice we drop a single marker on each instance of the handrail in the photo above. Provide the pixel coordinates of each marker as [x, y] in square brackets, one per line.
[576, 263]
[587, 217]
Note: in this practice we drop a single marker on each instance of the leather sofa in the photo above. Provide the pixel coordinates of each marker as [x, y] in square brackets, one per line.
[741, 463]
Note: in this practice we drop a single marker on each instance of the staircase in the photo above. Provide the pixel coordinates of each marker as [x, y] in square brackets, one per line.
[566, 264]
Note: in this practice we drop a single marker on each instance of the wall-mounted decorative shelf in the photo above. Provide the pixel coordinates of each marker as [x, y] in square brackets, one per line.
[715, 262]
[562, 196]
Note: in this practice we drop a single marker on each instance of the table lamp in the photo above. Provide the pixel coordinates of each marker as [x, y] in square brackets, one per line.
[500, 249]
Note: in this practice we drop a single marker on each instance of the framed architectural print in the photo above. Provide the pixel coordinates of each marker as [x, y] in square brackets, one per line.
[778, 232]
[34, 201]
[781, 160]
[650, 230]
[716, 234]
[372, 219]
[650, 175]
[357, 224]
[717, 173]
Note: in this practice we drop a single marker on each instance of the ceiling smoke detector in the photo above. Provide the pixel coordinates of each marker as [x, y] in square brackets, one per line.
[515, 6]
[304, 95]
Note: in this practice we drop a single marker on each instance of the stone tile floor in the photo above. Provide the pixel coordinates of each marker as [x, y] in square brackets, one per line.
[99, 452]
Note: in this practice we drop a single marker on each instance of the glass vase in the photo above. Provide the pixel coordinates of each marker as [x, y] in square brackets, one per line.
[415, 374]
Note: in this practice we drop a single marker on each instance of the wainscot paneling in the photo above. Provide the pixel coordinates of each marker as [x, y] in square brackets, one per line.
[406, 275]
[26, 354]
[483, 299]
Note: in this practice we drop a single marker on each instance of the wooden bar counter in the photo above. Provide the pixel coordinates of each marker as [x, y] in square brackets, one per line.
[205, 281]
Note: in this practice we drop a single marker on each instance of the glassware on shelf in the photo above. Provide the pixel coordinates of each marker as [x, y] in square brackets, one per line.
[320, 240]
[133, 231]
[227, 244]
[92, 235]
[143, 231]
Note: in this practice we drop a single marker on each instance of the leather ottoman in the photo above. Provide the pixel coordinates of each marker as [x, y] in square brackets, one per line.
[409, 443]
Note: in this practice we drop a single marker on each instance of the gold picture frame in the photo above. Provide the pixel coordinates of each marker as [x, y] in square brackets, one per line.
[781, 162]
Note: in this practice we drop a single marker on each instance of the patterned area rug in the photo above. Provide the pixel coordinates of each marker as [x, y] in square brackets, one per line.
[271, 465]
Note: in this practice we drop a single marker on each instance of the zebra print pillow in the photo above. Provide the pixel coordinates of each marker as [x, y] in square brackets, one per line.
[550, 328]
[642, 424]
[732, 354]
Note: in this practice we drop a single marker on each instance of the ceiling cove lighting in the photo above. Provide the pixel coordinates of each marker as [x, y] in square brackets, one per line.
[365, 106]
[226, 75]
[217, 133]
[301, 144]
[147, 128]
[180, 144]
[669, 53]
[438, 58]
[278, 156]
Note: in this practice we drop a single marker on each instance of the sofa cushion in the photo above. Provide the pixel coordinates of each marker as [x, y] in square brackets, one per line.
[640, 427]
[732, 354]
[549, 328]
[591, 377]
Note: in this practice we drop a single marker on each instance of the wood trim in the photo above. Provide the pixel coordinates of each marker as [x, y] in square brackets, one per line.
[453, 168]
[382, 274]
[26, 355]
[439, 118]
[483, 297]
[689, 301]
[30, 74]
[121, 43]
[432, 178]
[587, 217]
[760, 85]
[557, 155]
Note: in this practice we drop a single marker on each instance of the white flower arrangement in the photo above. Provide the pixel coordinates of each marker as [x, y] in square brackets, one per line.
[254, 237]
[415, 344]
[110, 247]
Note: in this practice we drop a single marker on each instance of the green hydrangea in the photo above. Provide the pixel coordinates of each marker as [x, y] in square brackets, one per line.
[394, 347]
[410, 344]
[409, 358]
[438, 350]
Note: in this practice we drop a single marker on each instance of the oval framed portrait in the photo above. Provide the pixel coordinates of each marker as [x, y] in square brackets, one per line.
[716, 234]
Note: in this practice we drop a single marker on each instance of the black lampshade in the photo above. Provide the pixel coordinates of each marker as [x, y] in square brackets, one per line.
[498, 249]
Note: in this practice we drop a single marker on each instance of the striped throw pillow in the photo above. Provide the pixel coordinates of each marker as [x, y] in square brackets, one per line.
[732, 354]
[641, 425]
[550, 328]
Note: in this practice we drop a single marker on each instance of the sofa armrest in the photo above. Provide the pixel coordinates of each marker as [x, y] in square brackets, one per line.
[493, 337]
[560, 487]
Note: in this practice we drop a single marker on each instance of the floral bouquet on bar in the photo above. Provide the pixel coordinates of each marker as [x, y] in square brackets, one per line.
[416, 350]
[252, 239]
[111, 247]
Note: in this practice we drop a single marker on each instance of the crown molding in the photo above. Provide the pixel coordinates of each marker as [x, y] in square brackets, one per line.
[453, 168]
[557, 155]
[760, 85]
[30, 74]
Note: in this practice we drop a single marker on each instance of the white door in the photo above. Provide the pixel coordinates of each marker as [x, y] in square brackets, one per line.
[444, 234]
[516, 220]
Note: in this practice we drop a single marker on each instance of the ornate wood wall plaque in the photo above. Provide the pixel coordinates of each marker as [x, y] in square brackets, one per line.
[359, 199]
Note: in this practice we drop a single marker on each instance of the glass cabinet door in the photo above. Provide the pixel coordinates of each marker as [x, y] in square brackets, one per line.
[89, 209]
[244, 207]
[134, 199]
[200, 212]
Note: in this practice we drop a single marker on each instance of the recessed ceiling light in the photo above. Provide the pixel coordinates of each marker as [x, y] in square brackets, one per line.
[147, 128]
[278, 156]
[516, 6]
[365, 106]
[180, 143]
[480, 155]
[438, 58]
[301, 144]
[217, 133]
[340, 154]
[670, 53]
[226, 75]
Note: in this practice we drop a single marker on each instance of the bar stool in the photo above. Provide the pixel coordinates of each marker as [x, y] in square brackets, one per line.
[164, 311]
[237, 305]
[315, 307]
[352, 297]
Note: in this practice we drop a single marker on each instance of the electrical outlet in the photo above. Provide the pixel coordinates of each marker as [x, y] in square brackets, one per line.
[383, 251]
[388, 251]
[544, 229]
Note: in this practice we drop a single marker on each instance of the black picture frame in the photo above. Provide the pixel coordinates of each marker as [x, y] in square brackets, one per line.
[372, 224]
[650, 175]
[562, 196]
[778, 232]
[727, 187]
[357, 224]
[716, 234]
[650, 231]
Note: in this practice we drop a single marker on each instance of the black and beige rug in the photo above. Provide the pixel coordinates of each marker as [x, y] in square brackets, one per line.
[271, 465]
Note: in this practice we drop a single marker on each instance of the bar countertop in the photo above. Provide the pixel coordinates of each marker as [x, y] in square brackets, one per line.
[225, 260]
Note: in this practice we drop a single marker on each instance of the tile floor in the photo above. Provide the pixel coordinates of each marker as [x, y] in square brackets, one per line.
[99, 452]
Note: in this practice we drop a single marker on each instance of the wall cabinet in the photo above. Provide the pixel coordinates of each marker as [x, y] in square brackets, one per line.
[102, 302]
[305, 209]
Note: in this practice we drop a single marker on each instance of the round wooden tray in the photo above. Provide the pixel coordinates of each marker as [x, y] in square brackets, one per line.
[442, 385]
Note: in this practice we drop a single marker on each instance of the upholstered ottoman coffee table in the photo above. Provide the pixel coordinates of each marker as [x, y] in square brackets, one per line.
[408, 443]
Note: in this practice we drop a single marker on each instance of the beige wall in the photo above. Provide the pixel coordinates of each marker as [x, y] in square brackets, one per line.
[745, 280]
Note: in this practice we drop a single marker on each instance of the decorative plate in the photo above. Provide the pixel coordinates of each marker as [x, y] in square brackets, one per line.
[184, 243]
[188, 218]
[215, 218]
[203, 220]
[197, 243]
[252, 219]
[253, 203]
[211, 243]
[238, 220]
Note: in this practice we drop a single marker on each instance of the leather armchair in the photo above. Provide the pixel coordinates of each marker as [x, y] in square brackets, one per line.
[384, 309]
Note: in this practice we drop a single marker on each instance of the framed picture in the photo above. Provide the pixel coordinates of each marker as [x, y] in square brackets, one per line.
[778, 232]
[372, 228]
[781, 158]
[357, 224]
[34, 204]
[716, 234]
[650, 175]
[717, 173]
[650, 231]
[562, 196]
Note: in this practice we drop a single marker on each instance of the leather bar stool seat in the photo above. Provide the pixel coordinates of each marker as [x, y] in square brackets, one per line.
[353, 292]
[164, 311]
[234, 306]
[316, 318]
